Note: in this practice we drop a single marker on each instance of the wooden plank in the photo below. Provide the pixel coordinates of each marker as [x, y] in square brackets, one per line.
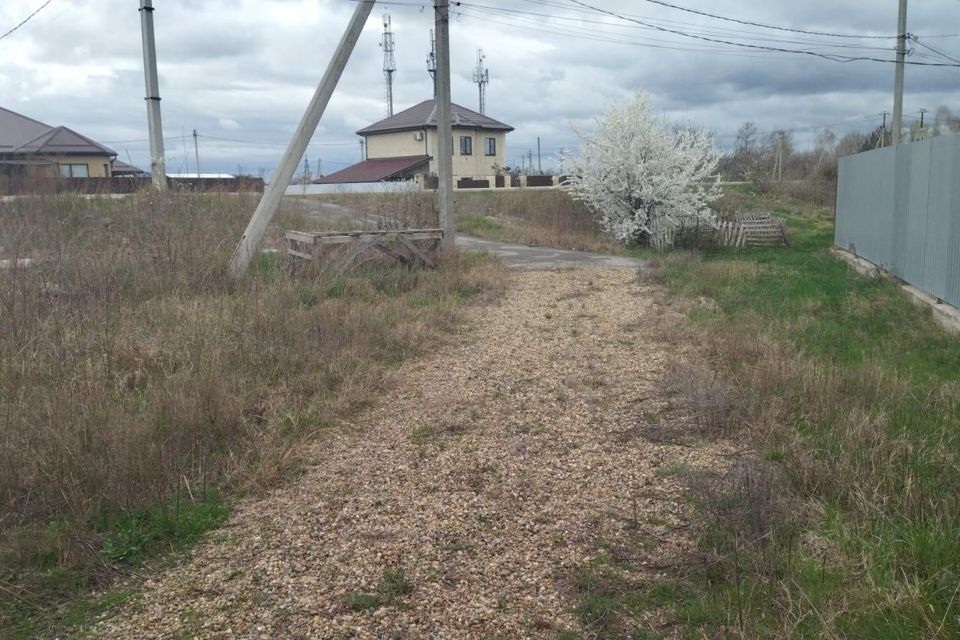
[372, 232]
[364, 236]
[416, 252]
[300, 236]
[300, 254]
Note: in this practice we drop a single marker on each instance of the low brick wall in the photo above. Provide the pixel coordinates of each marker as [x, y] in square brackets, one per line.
[470, 183]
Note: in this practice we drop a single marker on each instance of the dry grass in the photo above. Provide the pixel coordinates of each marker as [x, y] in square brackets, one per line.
[535, 217]
[849, 393]
[135, 373]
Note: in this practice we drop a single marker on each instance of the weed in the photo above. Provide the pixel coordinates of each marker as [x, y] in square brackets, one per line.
[391, 590]
[139, 380]
[673, 468]
[845, 375]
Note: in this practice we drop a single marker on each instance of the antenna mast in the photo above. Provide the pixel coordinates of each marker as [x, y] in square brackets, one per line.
[432, 62]
[481, 77]
[389, 64]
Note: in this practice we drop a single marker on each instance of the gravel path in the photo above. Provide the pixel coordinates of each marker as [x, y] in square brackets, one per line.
[480, 483]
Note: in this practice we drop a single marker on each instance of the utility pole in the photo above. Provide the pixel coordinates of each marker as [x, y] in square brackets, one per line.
[280, 180]
[196, 152]
[539, 165]
[158, 167]
[780, 135]
[922, 112]
[432, 62]
[530, 160]
[898, 77]
[363, 154]
[883, 129]
[481, 78]
[389, 64]
[441, 10]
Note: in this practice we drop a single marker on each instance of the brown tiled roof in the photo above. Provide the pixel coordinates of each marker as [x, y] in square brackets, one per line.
[20, 134]
[424, 115]
[375, 170]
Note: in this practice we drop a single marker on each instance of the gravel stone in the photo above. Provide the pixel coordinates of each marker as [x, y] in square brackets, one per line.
[486, 474]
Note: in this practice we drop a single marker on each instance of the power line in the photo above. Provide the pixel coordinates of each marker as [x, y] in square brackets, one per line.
[530, 26]
[26, 20]
[704, 31]
[936, 51]
[277, 144]
[764, 26]
[826, 56]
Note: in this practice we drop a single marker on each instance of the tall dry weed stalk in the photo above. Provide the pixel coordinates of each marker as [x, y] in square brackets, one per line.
[131, 365]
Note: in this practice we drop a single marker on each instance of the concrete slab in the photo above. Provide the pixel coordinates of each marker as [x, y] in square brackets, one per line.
[944, 314]
[519, 256]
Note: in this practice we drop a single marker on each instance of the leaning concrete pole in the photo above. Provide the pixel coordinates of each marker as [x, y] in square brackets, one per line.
[280, 180]
[898, 77]
[444, 129]
[158, 167]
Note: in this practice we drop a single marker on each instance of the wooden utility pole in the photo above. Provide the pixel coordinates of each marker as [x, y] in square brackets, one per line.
[441, 10]
[898, 77]
[280, 180]
[539, 163]
[158, 168]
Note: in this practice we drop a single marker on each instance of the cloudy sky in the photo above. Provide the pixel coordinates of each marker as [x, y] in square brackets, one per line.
[240, 72]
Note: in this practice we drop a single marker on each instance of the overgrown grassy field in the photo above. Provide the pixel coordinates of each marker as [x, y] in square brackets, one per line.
[143, 389]
[846, 524]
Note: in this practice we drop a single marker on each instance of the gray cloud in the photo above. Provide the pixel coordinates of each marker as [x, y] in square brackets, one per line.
[245, 69]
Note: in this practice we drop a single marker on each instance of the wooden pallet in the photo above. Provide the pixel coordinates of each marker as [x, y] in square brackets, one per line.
[411, 247]
[753, 230]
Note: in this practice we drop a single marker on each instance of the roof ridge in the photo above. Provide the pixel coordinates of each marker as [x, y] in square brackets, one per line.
[46, 134]
[20, 115]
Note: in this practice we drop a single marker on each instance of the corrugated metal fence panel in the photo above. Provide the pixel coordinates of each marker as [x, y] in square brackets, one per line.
[900, 209]
[865, 203]
[910, 210]
[941, 276]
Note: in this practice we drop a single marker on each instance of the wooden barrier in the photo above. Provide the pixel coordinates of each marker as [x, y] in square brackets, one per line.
[399, 244]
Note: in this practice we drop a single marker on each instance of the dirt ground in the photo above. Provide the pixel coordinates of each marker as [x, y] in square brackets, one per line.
[462, 502]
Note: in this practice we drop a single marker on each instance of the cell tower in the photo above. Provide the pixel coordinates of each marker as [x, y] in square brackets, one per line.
[481, 78]
[432, 62]
[389, 63]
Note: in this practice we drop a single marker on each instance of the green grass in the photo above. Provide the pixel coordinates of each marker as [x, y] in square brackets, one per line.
[128, 538]
[132, 536]
[478, 225]
[391, 591]
[867, 429]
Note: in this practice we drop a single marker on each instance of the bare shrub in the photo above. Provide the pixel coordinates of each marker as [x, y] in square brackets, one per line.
[712, 406]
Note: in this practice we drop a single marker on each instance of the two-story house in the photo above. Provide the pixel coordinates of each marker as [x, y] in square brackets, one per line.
[405, 145]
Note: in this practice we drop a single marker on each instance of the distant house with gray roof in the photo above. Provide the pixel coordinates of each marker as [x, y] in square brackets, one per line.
[405, 145]
[31, 148]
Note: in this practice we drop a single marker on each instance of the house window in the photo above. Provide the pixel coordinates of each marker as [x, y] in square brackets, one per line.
[466, 145]
[489, 146]
[75, 171]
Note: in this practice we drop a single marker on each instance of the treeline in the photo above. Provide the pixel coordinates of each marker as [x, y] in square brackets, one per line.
[772, 163]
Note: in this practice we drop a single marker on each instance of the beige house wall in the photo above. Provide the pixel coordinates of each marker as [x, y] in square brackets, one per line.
[477, 165]
[97, 166]
[395, 144]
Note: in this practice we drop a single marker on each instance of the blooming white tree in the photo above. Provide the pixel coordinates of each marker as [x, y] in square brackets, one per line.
[643, 178]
